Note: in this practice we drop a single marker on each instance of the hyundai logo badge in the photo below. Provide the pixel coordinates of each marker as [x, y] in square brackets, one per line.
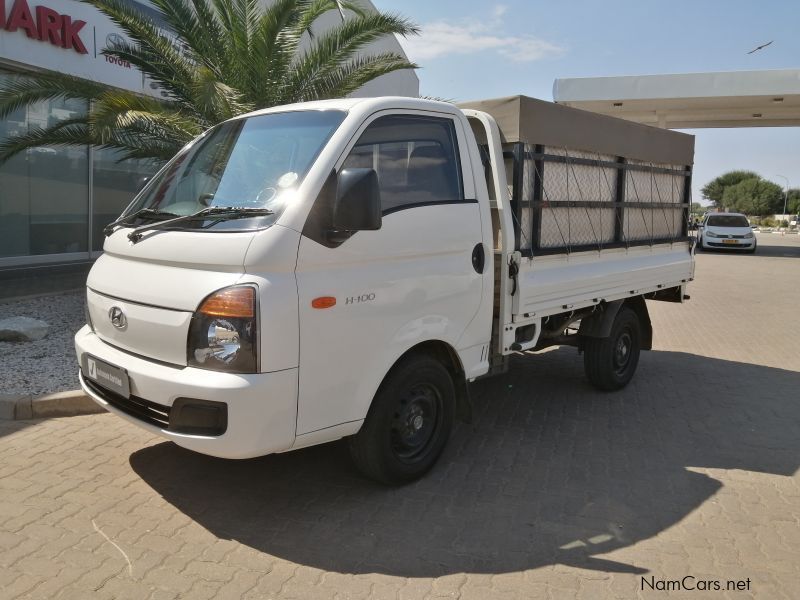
[117, 317]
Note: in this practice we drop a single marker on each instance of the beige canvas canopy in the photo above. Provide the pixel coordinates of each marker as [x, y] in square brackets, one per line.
[533, 121]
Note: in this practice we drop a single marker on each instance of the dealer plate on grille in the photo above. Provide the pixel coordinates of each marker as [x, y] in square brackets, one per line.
[106, 375]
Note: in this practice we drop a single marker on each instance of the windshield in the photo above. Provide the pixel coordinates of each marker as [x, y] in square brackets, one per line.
[255, 162]
[728, 221]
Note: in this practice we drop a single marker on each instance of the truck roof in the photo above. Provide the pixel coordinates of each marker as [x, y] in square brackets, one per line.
[534, 121]
[372, 103]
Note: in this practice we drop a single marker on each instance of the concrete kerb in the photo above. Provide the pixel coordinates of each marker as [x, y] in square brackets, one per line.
[60, 404]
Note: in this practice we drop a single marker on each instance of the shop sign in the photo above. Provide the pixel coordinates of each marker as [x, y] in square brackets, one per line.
[44, 24]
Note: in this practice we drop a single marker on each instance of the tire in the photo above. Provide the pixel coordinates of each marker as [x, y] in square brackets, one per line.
[408, 424]
[753, 249]
[611, 362]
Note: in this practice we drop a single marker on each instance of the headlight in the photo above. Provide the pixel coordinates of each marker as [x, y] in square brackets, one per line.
[223, 332]
[711, 234]
[748, 236]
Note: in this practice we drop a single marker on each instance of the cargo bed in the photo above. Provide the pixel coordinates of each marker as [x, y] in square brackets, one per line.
[599, 212]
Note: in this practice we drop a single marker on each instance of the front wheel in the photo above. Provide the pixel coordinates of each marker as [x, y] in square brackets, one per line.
[408, 423]
[611, 362]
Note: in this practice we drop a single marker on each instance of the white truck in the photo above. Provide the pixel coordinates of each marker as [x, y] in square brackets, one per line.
[346, 268]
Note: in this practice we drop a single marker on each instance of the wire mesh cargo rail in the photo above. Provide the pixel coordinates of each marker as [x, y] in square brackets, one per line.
[582, 182]
[570, 200]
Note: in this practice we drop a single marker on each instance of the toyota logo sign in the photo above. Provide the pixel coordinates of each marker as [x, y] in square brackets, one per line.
[113, 40]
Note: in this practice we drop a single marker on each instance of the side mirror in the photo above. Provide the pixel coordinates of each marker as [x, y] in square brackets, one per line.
[357, 206]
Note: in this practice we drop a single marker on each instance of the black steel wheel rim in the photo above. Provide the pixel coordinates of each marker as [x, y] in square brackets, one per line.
[622, 351]
[416, 422]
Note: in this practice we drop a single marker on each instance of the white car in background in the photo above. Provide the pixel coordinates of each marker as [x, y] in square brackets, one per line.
[729, 231]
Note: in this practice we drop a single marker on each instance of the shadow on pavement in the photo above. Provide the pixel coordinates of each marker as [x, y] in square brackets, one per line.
[550, 472]
[10, 426]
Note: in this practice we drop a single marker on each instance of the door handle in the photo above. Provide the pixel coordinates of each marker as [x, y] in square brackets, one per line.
[478, 258]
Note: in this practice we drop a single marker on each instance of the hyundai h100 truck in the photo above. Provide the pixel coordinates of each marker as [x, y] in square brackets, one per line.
[346, 268]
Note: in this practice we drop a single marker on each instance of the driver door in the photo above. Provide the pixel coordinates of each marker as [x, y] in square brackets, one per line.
[410, 281]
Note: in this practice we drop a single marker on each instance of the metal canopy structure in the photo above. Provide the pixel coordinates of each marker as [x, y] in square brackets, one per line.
[583, 182]
[690, 100]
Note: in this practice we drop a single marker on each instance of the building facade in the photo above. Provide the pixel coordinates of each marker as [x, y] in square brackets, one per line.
[55, 201]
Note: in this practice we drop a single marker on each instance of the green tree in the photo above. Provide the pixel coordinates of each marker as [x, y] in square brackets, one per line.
[793, 201]
[754, 196]
[221, 59]
[714, 190]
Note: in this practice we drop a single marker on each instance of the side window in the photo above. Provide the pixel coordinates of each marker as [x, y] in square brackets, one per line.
[416, 159]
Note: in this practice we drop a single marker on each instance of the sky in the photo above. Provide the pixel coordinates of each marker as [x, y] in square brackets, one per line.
[471, 50]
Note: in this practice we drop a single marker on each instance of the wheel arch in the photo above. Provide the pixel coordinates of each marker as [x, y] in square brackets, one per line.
[449, 358]
[599, 325]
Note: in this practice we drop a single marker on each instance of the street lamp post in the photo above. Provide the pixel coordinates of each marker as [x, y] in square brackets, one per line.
[785, 193]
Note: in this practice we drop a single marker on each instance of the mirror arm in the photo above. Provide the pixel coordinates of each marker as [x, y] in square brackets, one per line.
[338, 236]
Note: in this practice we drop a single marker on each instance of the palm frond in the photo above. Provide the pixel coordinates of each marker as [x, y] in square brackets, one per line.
[119, 110]
[349, 77]
[271, 50]
[317, 8]
[338, 45]
[218, 59]
[22, 91]
[150, 50]
[213, 97]
[173, 76]
[198, 30]
[286, 43]
[68, 133]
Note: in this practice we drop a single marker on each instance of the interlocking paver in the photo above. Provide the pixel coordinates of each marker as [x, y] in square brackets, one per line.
[555, 491]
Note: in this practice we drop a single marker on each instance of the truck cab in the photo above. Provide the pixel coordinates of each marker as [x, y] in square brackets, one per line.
[246, 333]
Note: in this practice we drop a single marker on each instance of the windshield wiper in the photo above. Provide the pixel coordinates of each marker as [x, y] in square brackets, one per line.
[220, 213]
[144, 212]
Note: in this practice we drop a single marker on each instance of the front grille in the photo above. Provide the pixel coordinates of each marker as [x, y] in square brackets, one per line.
[144, 410]
[718, 245]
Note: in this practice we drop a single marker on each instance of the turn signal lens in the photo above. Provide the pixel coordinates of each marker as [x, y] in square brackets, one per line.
[231, 302]
[323, 302]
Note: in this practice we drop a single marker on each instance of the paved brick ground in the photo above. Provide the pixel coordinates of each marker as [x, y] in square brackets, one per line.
[556, 491]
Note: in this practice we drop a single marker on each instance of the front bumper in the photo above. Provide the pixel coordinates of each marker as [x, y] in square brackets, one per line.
[719, 244]
[261, 408]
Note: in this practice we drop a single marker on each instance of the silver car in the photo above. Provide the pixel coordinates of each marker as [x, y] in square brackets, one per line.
[728, 231]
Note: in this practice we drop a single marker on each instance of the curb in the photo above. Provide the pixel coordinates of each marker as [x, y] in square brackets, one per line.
[60, 404]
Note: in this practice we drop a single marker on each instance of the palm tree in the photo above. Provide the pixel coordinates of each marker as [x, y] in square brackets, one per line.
[221, 58]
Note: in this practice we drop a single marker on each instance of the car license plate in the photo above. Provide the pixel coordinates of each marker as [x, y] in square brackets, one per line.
[729, 242]
[105, 375]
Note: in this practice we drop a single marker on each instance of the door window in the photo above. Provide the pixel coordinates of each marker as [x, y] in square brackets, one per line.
[416, 159]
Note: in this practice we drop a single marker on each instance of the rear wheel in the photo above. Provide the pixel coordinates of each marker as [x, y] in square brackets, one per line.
[611, 362]
[408, 423]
